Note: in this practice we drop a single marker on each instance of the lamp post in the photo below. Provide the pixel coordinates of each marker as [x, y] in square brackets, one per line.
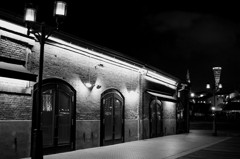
[216, 88]
[41, 34]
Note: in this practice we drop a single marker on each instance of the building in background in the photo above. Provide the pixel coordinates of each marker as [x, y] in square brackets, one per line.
[92, 96]
[232, 107]
[227, 106]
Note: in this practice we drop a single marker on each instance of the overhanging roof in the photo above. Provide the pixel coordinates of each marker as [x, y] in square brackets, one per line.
[164, 96]
[16, 71]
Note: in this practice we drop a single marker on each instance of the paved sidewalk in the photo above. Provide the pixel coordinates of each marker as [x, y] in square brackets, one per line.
[228, 149]
[167, 147]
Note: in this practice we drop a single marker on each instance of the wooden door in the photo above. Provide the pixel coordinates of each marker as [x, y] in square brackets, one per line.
[112, 118]
[58, 116]
[156, 124]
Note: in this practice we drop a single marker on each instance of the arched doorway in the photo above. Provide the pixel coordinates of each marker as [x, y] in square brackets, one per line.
[112, 118]
[58, 115]
[156, 118]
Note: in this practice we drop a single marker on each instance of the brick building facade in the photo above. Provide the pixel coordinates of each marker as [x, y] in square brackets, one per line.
[128, 100]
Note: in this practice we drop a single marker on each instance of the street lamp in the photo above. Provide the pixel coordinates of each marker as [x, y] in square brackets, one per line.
[41, 34]
[215, 89]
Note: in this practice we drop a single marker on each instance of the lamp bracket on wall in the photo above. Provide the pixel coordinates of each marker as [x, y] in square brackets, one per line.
[99, 65]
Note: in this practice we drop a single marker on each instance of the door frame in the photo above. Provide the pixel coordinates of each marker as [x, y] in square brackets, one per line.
[156, 101]
[102, 130]
[56, 149]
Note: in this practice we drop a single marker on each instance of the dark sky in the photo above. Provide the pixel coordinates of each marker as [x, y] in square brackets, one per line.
[171, 37]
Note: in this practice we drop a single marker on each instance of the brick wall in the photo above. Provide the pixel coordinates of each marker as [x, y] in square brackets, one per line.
[76, 69]
[12, 49]
[15, 107]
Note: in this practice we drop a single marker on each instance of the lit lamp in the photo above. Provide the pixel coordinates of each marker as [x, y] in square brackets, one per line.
[192, 94]
[30, 14]
[213, 108]
[60, 9]
[220, 86]
[216, 88]
[39, 31]
[208, 86]
[88, 85]
[30, 17]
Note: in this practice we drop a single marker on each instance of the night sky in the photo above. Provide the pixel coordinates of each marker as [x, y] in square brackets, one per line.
[172, 37]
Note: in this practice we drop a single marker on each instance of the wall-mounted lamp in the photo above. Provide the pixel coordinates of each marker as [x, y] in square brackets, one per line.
[89, 85]
[99, 65]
